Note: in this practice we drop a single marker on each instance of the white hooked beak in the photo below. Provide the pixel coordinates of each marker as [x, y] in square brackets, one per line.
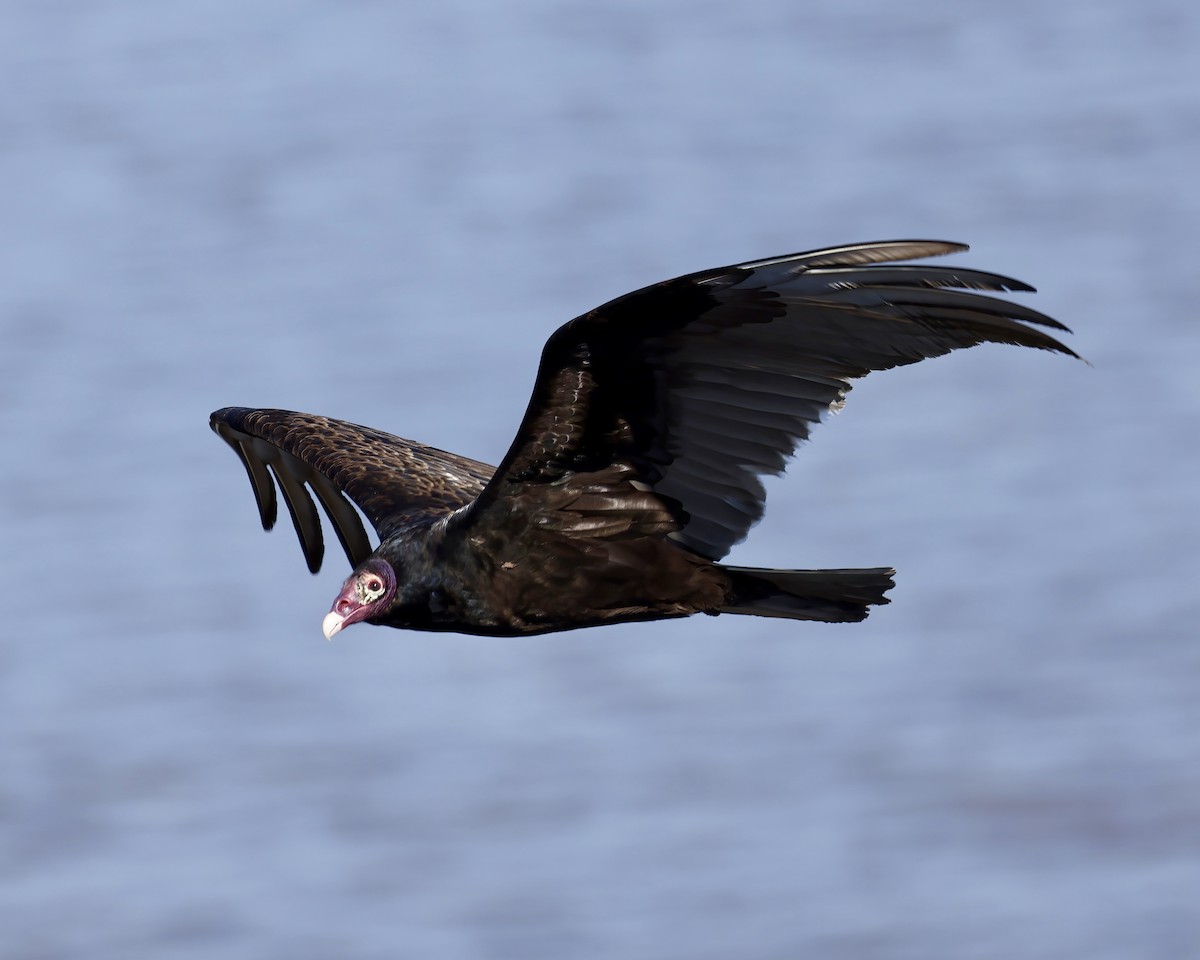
[332, 624]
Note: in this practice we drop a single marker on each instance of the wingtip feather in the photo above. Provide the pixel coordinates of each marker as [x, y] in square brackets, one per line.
[858, 254]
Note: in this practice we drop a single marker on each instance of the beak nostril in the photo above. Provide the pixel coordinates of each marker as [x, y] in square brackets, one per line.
[343, 607]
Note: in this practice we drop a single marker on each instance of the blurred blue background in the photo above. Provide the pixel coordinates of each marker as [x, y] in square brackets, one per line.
[378, 212]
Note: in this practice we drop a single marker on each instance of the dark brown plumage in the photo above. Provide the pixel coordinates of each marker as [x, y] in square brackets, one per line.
[638, 462]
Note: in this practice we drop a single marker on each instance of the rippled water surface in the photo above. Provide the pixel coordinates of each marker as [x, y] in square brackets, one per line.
[379, 212]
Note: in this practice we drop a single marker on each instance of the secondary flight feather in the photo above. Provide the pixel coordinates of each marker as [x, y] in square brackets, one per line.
[638, 463]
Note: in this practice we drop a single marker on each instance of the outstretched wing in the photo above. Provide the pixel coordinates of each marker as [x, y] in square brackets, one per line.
[395, 482]
[660, 411]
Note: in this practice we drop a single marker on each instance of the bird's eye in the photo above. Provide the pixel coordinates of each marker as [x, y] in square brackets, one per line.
[369, 589]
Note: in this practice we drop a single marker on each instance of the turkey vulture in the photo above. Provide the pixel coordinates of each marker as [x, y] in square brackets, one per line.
[638, 463]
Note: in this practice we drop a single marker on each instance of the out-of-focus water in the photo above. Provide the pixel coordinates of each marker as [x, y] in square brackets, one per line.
[379, 212]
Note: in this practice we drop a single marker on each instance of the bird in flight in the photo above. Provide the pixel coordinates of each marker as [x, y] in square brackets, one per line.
[638, 463]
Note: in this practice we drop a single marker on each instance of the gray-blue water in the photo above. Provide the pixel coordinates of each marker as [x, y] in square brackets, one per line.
[379, 211]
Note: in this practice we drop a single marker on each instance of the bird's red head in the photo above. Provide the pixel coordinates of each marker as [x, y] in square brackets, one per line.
[365, 594]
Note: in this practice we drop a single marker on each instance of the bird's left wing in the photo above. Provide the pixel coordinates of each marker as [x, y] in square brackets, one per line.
[659, 412]
[395, 482]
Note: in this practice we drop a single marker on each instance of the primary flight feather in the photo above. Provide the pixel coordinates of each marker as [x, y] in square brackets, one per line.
[638, 463]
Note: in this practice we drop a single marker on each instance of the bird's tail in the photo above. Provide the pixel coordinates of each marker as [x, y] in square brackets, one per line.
[835, 596]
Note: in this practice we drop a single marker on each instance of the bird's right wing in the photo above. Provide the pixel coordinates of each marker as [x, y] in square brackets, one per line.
[659, 412]
[395, 482]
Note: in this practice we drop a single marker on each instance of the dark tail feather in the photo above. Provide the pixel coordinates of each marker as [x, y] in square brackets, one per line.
[835, 596]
